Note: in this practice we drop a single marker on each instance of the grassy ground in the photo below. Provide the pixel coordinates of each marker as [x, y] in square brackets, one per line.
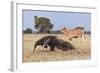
[83, 49]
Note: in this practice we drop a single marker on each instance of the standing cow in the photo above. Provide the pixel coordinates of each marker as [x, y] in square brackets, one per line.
[73, 33]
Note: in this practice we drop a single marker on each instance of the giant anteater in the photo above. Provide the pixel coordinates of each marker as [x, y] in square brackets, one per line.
[52, 42]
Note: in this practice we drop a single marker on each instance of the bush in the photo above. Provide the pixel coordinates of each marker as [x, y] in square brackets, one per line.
[28, 30]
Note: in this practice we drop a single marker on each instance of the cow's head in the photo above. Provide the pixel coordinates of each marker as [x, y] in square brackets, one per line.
[63, 30]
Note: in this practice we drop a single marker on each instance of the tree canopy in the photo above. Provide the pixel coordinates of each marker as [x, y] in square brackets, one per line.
[43, 24]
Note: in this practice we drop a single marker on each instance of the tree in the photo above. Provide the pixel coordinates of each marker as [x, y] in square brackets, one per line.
[28, 30]
[43, 24]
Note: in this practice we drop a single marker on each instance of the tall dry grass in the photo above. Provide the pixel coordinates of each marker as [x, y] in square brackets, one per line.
[83, 49]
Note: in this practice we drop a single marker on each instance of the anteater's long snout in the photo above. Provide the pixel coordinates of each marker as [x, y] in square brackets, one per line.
[35, 45]
[33, 50]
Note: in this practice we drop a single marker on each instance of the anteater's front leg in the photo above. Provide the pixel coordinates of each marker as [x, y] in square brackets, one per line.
[52, 48]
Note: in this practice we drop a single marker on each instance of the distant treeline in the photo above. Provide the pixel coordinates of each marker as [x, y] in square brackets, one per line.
[30, 31]
[87, 32]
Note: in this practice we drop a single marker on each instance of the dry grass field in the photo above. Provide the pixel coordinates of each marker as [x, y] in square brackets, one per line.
[83, 49]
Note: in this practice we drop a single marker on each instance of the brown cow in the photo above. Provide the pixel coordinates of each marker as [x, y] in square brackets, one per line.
[73, 33]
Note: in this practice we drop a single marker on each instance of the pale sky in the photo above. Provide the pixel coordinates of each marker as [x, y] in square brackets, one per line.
[58, 19]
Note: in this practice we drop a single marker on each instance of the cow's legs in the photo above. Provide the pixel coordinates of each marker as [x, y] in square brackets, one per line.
[83, 37]
[85, 41]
